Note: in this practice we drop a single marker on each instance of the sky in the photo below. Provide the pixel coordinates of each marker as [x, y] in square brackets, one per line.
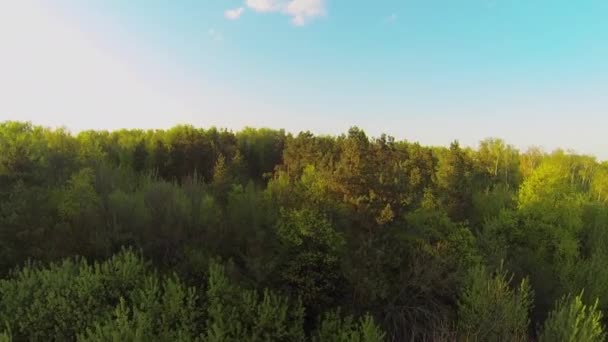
[533, 72]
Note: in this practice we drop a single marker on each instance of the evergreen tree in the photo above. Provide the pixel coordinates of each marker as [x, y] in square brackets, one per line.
[453, 178]
[572, 320]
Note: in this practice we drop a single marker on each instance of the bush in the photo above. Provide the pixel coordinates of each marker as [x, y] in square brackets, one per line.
[572, 320]
[164, 311]
[58, 301]
[489, 310]
[337, 329]
[242, 315]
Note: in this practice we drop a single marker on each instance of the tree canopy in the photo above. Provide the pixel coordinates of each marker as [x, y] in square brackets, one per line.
[192, 234]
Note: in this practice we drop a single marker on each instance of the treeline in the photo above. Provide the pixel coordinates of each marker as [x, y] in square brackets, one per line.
[194, 234]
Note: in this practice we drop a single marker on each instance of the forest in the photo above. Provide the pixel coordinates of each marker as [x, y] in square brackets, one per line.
[192, 234]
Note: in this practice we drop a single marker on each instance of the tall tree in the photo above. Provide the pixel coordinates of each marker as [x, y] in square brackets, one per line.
[454, 182]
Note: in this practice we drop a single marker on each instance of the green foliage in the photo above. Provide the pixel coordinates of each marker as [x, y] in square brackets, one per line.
[311, 259]
[549, 226]
[587, 272]
[499, 163]
[368, 224]
[335, 328]
[164, 311]
[549, 185]
[490, 310]
[247, 233]
[411, 273]
[261, 150]
[496, 237]
[6, 335]
[79, 198]
[140, 156]
[454, 182]
[122, 327]
[58, 301]
[489, 204]
[243, 315]
[600, 183]
[572, 320]
[302, 227]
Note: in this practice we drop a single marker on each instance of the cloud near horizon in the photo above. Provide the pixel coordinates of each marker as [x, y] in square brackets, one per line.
[300, 11]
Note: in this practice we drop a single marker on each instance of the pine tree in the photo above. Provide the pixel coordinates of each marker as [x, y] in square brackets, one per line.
[454, 183]
[572, 321]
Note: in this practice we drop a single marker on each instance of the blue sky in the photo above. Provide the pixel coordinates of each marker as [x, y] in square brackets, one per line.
[534, 72]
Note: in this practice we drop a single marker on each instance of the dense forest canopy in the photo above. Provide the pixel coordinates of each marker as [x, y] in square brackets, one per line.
[192, 234]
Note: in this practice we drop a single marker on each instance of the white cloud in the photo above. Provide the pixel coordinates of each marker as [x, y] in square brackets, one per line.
[215, 35]
[265, 5]
[234, 14]
[300, 11]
